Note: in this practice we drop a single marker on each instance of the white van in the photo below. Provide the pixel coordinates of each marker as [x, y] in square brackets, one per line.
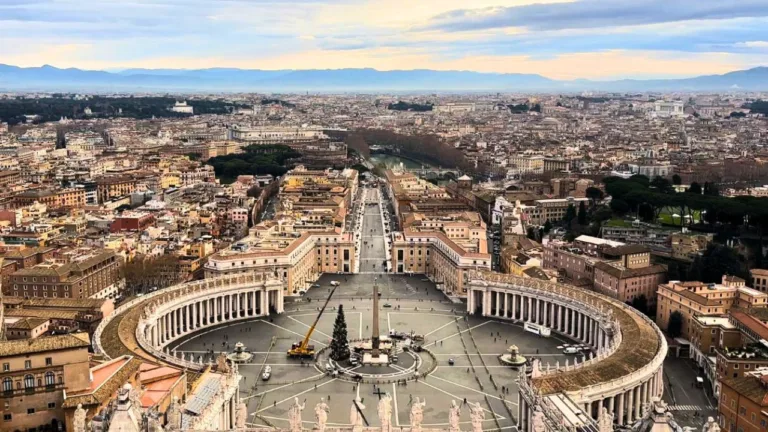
[571, 350]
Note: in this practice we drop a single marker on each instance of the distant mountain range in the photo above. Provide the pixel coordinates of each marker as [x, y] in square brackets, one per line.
[49, 78]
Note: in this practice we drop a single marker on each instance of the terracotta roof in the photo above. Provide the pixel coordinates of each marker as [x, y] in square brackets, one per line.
[27, 323]
[749, 387]
[107, 388]
[624, 273]
[44, 344]
[626, 250]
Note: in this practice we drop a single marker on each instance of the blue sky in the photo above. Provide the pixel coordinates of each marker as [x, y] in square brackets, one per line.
[597, 39]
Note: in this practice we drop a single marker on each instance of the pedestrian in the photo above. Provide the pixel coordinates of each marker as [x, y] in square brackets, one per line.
[537, 350]
[315, 387]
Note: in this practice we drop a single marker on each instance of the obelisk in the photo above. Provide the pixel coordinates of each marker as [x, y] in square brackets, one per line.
[375, 326]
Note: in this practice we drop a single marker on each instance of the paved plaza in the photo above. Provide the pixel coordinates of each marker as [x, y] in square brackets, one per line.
[415, 305]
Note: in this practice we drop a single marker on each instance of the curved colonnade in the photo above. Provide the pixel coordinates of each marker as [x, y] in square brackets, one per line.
[624, 375]
[175, 312]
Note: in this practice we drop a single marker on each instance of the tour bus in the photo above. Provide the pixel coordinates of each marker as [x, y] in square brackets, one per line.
[537, 329]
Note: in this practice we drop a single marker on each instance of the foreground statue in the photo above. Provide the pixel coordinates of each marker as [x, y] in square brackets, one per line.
[321, 415]
[78, 422]
[294, 415]
[417, 414]
[477, 415]
[385, 413]
[454, 415]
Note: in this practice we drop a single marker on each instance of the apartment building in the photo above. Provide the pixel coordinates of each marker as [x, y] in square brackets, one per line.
[627, 273]
[108, 188]
[78, 274]
[52, 198]
[759, 279]
[552, 210]
[36, 375]
[743, 404]
[694, 299]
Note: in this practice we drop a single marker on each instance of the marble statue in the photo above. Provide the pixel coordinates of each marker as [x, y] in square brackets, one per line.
[454, 415]
[221, 363]
[321, 414]
[241, 415]
[174, 415]
[294, 415]
[710, 426]
[153, 421]
[417, 414]
[537, 420]
[78, 421]
[477, 416]
[605, 420]
[385, 413]
[355, 418]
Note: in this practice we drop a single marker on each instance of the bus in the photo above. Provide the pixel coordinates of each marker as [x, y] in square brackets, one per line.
[537, 329]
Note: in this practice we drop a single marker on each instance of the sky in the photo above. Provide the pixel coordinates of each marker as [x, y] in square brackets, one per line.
[560, 39]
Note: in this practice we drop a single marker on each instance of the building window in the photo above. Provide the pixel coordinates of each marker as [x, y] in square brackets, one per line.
[6, 367]
[7, 417]
[27, 364]
[7, 384]
[29, 382]
[51, 405]
[30, 410]
[50, 379]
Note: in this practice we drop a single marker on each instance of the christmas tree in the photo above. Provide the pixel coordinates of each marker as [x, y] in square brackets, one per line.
[339, 344]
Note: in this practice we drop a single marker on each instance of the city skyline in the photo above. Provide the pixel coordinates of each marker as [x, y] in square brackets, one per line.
[559, 40]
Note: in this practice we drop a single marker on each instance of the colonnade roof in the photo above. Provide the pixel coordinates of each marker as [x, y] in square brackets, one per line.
[640, 344]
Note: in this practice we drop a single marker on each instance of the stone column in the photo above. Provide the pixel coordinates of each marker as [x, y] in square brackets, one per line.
[638, 401]
[264, 308]
[506, 305]
[514, 306]
[631, 405]
[530, 309]
[620, 413]
[612, 405]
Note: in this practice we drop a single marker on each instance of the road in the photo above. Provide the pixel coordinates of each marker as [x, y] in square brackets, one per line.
[373, 252]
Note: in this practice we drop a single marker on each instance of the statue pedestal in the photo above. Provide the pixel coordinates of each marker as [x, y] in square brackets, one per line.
[370, 360]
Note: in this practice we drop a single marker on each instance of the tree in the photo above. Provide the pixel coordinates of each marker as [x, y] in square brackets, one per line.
[340, 342]
[582, 217]
[694, 188]
[640, 303]
[594, 194]
[662, 185]
[531, 233]
[675, 324]
[676, 180]
[547, 226]
[570, 214]
[254, 191]
[145, 273]
[619, 206]
[710, 189]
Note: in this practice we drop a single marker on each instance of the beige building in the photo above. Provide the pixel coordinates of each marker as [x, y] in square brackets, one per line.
[695, 299]
[297, 258]
[442, 247]
[36, 375]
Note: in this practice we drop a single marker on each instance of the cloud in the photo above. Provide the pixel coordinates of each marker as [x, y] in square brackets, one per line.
[596, 14]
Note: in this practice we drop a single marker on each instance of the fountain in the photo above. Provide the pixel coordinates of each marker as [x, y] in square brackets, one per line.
[239, 355]
[513, 357]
